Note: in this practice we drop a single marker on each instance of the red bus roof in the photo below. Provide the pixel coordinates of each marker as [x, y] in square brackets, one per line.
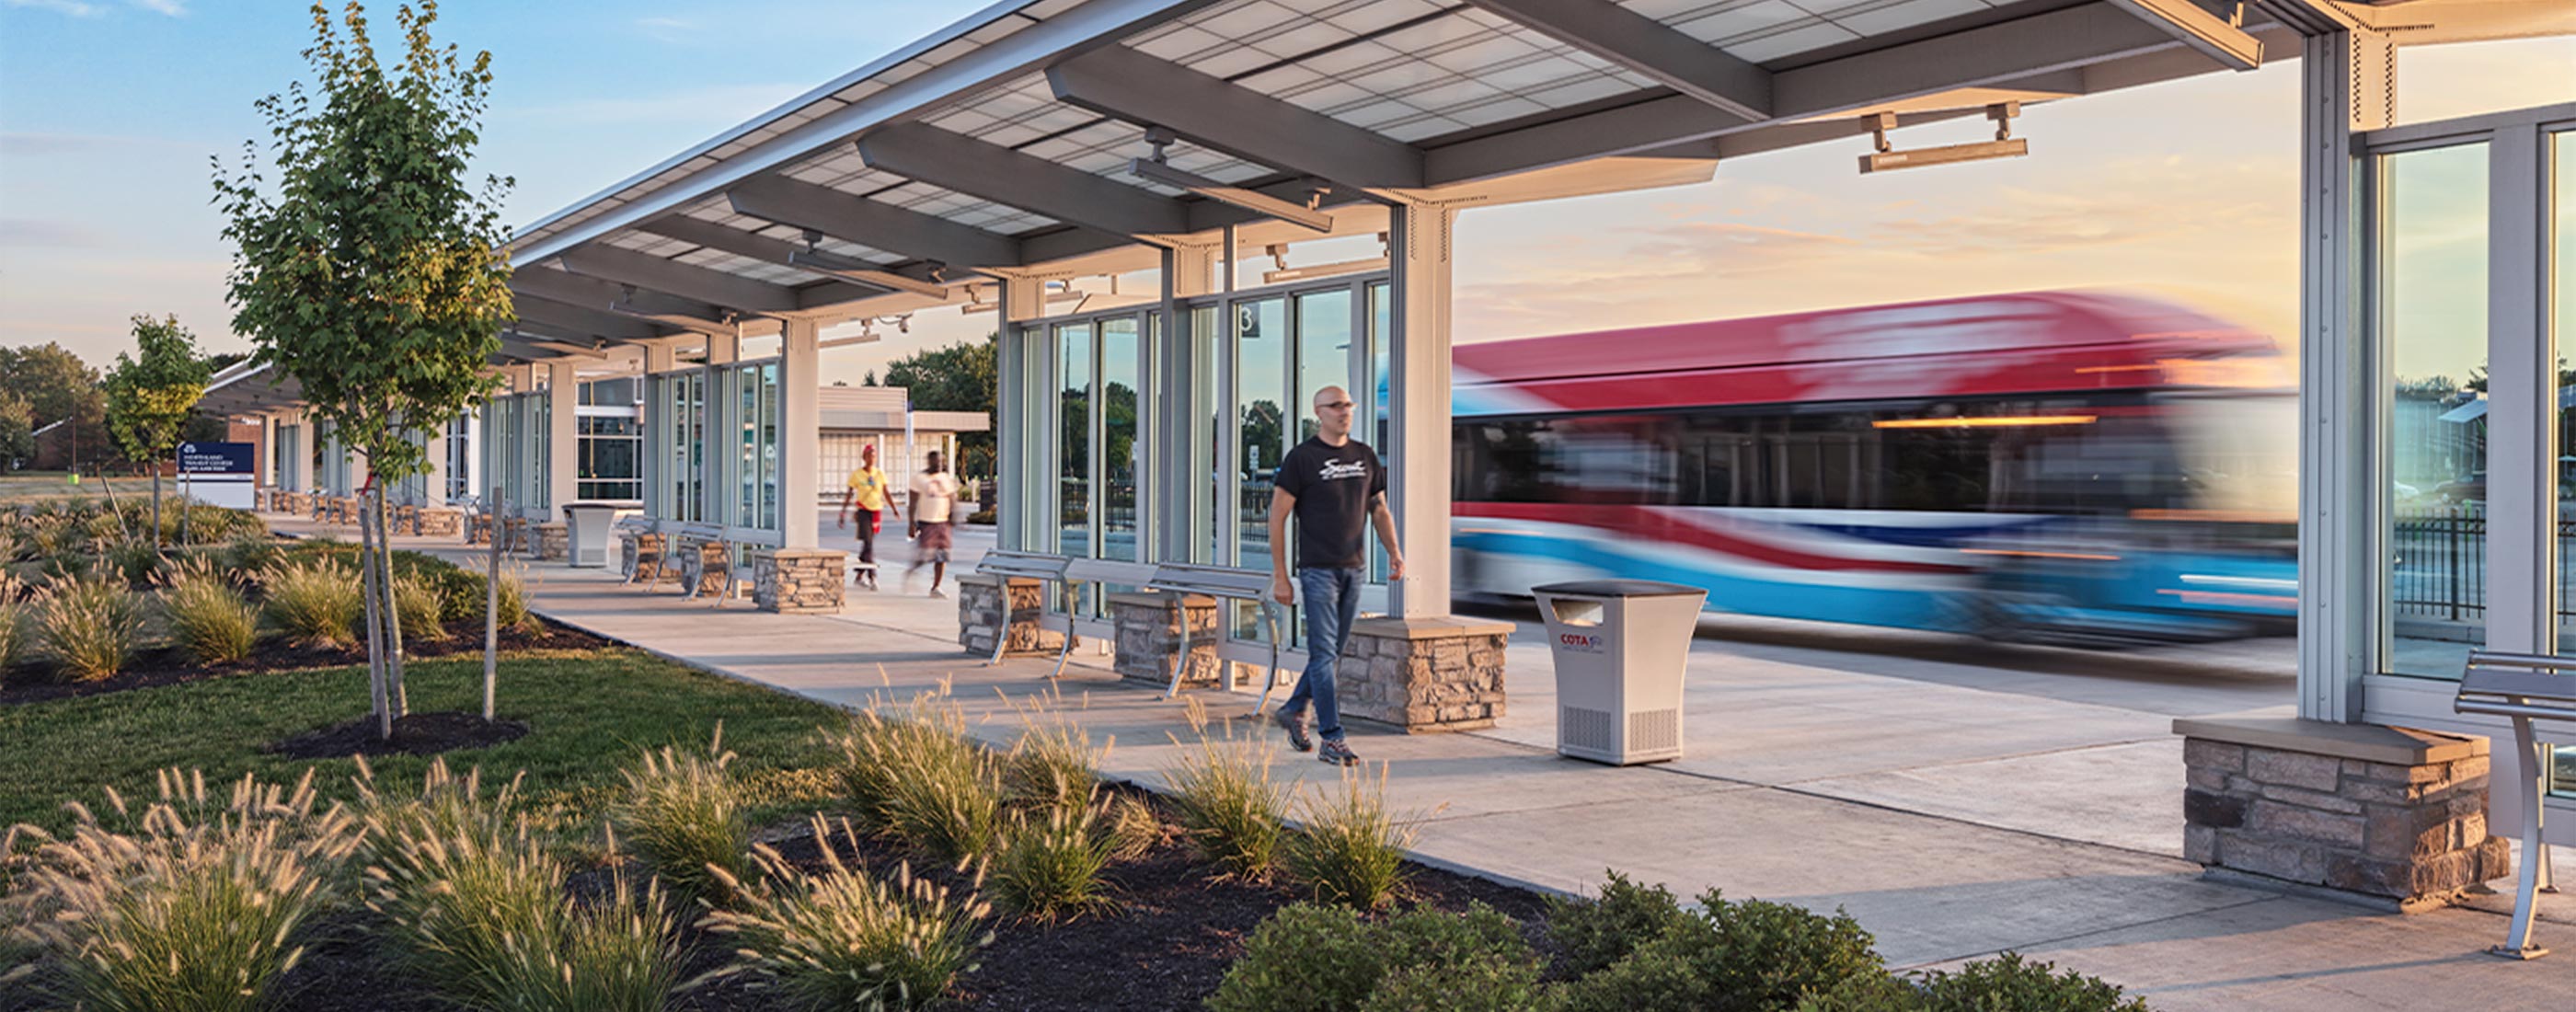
[2142, 329]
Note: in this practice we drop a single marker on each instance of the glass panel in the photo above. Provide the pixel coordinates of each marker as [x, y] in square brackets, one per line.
[2433, 320]
[1119, 366]
[1206, 416]
[770, 507]
[1073, 439]
[610, 458]
[2561, 302]
[1381, 327]
[1323, 353]
[1262, 402]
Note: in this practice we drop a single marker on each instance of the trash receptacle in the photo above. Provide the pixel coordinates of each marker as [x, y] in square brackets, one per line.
[1620, 648]
[586, 531]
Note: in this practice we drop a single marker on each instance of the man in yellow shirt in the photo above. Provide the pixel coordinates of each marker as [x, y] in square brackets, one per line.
[866, 495]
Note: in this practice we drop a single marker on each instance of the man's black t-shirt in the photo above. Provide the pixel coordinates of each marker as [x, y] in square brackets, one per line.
[1334, 486]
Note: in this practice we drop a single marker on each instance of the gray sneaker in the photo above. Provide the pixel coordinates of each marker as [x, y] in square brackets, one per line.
[1337, 754]
[1295, 725]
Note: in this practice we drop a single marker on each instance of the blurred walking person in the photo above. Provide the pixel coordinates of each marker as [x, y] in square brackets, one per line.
[866, 496]
[934, 498]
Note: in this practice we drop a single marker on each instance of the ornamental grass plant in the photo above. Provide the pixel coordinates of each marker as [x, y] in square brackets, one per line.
[422, 608]
[89, 628]
[199, 902]
[682, 813]
[840, 938]
[314, 601]
[1230, 805]
[208, 619]
[921, 779]
[1350, 850]
[1052, 864]
[1053, 767]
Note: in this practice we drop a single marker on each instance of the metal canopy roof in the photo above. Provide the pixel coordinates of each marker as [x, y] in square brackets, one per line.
[999, 146]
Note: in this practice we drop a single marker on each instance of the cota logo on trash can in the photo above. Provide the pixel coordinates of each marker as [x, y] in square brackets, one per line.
[1590, 643]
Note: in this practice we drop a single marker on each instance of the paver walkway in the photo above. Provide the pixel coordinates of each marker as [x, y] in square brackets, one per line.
[1955, 813]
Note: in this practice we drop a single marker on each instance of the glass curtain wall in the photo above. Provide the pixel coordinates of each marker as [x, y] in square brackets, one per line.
[679, 421]
[2432, 284]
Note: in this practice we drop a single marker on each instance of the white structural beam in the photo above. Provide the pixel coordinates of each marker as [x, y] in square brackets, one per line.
[1121, 82]
[800, 453]
[563, 434]
[2212, 36]
[872, 223]
[1418, 399]
[1705, 73]
[2343, 78]
[593, 293]
[957, 162]
[583, 320]
[2063, 39]
[714, 287]
[873, 276]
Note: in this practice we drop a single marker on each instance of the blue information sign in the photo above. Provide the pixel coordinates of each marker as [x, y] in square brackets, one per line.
[217, 458]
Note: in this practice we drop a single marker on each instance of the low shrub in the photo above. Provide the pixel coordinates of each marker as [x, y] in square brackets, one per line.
[1594, 932]
[421, 608]
[1350, 851]
[1735, 955]
[1317, 958]
[89, 628]
[2011, 982]
[1477, 985]
[683, 815]
[209, 620]
[134, 560]
[314, 601]
[1051, 863]
[200, 904]
[1229, 805]
[249, 553]
[842, 939]
[460, 591]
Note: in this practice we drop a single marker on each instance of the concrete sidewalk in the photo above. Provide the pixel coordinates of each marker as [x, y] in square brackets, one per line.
[1956, 813]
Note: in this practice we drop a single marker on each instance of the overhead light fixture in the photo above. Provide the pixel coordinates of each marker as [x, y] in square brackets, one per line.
[2005, 145]
[819, 260]
[973, 295]
[1285, 274]
[1154, 169]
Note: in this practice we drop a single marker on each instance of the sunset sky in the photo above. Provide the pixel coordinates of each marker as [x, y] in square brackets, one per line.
[110, 109]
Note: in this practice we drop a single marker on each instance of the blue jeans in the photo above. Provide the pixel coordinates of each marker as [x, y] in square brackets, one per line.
[1331, 598]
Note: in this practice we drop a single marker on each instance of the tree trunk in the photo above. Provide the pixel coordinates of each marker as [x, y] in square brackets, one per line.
[492, 610]
[393, 609]
[156, 508]
[376, 683]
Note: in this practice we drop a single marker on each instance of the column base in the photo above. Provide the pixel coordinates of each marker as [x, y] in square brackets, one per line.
[1424, 674]
[982, 601]
[1147, 638]
[554, 542]
[2389, 817]
[798, 581]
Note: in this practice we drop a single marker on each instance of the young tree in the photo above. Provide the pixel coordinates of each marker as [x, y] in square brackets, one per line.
[58, 387]
[960, 377]
[370, 269]
[17, 432]
[150, 394]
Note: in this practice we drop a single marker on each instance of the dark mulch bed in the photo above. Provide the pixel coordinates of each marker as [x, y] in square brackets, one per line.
[169, 667]
[414, 734]
[1165, 945]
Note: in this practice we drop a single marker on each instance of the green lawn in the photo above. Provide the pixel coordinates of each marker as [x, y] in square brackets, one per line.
[32, 486]
[589, 711]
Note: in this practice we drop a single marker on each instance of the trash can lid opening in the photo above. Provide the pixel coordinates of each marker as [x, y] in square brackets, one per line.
[1619, 588]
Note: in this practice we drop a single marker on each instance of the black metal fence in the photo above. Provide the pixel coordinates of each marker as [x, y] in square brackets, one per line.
[2438, 562]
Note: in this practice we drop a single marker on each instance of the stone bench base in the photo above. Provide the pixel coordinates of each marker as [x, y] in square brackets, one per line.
[2390, 817]
[437, 522]
[706, 569]
[638, 551]
[1147, 637]
[981, 601]
[797, 581]
[1424, 674]
[554, 542]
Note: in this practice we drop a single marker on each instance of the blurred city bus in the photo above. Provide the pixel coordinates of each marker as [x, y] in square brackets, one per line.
[2052, 467]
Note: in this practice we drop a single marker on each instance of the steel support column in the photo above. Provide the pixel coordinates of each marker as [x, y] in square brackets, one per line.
[800, 450]
[562, 436]
[1418, 395]
[2346, 84]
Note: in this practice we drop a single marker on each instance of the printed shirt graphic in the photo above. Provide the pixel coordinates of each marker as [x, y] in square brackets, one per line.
[938, 492]
[1334, 486]
[869, 486]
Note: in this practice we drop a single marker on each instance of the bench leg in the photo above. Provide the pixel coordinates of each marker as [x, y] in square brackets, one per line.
[1180, 657]
[1269, 679]
[2535, 854]
[1072, 601]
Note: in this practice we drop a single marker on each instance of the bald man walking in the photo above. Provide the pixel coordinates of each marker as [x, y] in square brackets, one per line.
[1335, 487]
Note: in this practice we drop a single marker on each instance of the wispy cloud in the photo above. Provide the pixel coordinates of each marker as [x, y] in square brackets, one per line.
[75, 8]
[40, 233]
[173, 8]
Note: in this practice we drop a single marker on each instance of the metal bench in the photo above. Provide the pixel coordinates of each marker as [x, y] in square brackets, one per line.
[1022, 565]
[692, 540]
[633, 563]
[1223, 583]
[1092, 571]
[2523, 687]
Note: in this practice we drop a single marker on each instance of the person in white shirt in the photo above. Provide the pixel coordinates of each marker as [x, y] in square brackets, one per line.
[934, 495]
